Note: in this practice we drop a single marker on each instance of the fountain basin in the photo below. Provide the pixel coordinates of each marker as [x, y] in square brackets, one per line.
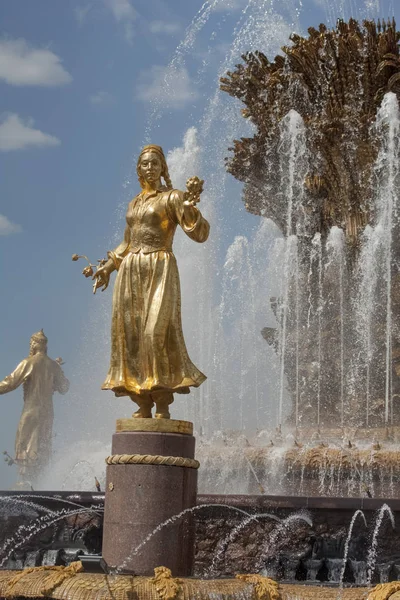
[219, 551]
[331, 462]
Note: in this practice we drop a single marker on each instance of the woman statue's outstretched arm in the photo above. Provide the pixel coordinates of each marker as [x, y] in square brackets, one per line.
[186, 213]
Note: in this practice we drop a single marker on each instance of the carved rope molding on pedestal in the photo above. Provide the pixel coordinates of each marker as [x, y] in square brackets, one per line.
[150, 459]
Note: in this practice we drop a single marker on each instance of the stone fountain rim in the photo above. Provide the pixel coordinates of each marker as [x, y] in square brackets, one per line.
[255, 501]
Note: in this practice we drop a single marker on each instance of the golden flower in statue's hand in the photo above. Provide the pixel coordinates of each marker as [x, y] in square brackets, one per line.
[87, 271]
[194, 186]
[75, 257]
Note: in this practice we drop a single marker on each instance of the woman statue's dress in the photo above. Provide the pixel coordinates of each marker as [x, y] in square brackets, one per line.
[148, 352]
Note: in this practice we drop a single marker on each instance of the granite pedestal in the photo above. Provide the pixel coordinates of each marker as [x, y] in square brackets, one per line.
[141, 497]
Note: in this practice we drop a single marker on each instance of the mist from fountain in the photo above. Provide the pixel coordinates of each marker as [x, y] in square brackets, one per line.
[22, 504]
[72, 472]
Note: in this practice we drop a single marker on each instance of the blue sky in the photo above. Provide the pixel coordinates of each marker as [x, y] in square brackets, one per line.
[82, 85]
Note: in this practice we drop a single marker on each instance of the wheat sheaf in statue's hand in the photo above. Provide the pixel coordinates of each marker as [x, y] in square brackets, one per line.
[194, 187]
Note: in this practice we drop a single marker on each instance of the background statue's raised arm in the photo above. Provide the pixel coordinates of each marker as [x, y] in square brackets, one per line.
[16, 378]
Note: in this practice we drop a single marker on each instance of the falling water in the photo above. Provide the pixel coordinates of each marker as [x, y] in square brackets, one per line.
[25, 532]
[260, 22]
[377, 256]
[317, 266]
[22, 499]
[292, 151]
[220, 551]
[335, 247]
[20, 502]
[260, 486]
[291, 246]
[358, 513]
[296, 264]
[234, 335]
[173, 519]
[284, 527]
[388, 126]
[318, 246]
[365, 306]
[372, 552]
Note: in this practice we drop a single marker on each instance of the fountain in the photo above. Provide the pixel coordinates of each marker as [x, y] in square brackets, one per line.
[322, 164]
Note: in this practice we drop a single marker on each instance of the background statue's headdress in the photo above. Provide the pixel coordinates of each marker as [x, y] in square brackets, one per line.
[165, 173]
[39, 337]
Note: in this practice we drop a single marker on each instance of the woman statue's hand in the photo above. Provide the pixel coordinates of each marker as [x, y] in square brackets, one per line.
[101, 279]
[194, 187]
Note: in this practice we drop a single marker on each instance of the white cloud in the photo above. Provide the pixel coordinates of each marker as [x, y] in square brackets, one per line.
[129, 32]
[20, 64]
[163, 27]
[121, 9]
[169, 86]
[7, 227]
[101, 97]
[81, 12]
[17, 135]
[123, 12]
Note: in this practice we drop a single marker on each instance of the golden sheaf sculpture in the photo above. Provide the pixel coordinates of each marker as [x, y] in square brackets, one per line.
[336, 80]
[149, 359]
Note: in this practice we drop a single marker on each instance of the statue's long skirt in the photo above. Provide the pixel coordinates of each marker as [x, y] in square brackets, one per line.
[148, 352]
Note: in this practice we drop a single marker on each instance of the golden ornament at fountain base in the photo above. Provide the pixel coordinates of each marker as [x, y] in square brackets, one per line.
[70, 583]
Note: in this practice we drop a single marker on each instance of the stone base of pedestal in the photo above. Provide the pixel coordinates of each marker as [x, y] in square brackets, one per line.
[145, 487]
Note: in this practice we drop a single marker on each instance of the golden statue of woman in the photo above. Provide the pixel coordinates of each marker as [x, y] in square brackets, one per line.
[149, 360]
